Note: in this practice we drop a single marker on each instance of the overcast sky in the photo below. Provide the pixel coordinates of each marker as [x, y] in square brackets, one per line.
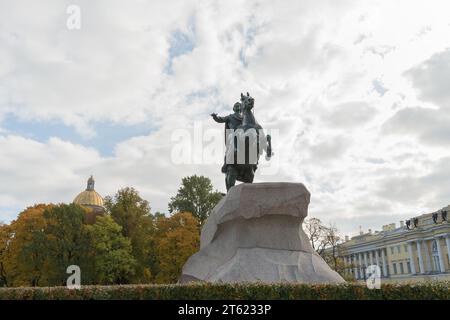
[359, 92]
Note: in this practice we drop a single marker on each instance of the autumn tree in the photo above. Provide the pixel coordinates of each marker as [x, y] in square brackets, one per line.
[195, 195]
[132, 213]
[327, 242]
[317, 234]
[178, 238]
[111, 252]
[125, 245]
[333, 254]
[5, 236]
[24, 258]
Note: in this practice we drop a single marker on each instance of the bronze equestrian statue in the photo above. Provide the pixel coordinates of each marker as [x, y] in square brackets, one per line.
[245, 142]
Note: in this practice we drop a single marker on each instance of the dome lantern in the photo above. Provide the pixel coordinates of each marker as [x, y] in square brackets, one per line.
[90, 183]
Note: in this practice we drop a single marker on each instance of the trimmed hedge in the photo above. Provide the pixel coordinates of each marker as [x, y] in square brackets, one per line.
[258, 291]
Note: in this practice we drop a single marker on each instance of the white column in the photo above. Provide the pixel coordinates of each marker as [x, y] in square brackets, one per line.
[427, 256]
[348, 266]
[345, 258]
[383, 259]
[361, 268]
[377, 261]
[355, 267]
[441, 258]
[365, 262]
[371, 257]
[419, 253]
[411, 258]
[447, 242]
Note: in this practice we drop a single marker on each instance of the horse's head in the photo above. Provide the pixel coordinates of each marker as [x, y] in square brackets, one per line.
[247, 102]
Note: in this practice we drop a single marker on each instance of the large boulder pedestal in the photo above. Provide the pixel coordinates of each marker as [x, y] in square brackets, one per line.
[255, 234]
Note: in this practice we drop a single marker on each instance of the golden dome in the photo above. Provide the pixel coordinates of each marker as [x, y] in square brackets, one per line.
[89, 197]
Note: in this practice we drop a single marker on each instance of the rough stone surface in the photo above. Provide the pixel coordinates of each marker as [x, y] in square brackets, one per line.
[255, 234]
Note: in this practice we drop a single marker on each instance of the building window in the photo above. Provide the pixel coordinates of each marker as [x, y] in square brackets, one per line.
[402, 271]
[392, 250]
[409, 266]
[406, 248]
[398, 249]
[395, 268]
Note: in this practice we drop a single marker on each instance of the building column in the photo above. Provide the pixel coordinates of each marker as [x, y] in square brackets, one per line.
[361, 268]
[371, 257]
[383, 259]
[355, 267]
[349, 265]
[345, 258]
[365, 263]
[441, 257]
[427, 256]
[447, 242]
[411, 258]
[377, 261]
[419, 253]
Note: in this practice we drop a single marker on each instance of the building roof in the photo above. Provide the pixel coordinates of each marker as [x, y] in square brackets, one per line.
[425, 223]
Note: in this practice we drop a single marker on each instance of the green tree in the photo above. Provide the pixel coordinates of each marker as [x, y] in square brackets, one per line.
[128, 209]
[195, 195]
[132, 213]
[178, 238]
[111, 252]
[66, 242]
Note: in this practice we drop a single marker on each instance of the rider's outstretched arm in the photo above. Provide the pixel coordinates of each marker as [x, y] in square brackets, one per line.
[219, 119]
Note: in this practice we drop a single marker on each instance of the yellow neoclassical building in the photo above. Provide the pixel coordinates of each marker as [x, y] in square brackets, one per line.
[416, 250]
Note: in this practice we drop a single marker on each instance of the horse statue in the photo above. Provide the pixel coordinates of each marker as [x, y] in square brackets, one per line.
[245, 145]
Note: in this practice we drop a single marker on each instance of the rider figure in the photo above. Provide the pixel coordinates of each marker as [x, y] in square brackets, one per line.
[232, 121]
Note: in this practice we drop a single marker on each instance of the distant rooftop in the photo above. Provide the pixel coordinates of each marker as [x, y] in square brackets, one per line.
[424, 220]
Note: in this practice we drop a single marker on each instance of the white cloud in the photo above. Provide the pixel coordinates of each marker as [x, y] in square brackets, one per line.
[431, 79]
[33, 172]
[431, 126]
[350, 114]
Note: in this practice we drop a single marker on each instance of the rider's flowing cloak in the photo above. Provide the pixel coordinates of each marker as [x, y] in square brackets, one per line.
[227, 125]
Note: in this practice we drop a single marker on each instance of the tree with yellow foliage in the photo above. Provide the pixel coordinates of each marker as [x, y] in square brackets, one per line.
[178, 237]
[4, 241]
[24, 259]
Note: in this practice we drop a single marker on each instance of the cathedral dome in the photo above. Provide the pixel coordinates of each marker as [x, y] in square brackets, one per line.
[89, 197]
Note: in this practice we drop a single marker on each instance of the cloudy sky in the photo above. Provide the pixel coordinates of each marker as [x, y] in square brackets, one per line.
[357, 93]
